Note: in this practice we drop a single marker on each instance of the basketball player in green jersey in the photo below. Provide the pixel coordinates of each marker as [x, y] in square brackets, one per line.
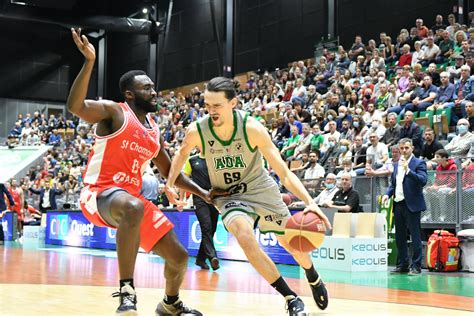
[233, 144]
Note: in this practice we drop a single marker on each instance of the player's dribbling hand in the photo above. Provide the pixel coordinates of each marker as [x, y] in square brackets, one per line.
[315, 209]
[173, 197]
[213, 193]
[384, 199]
[82, 43]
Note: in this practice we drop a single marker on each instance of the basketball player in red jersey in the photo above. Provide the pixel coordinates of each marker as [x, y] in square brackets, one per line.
[127, 138]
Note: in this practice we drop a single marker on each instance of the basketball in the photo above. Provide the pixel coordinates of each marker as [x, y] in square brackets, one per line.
[305, 231]
[286, 198]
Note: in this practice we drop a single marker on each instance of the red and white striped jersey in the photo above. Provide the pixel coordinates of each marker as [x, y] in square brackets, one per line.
[119, 159]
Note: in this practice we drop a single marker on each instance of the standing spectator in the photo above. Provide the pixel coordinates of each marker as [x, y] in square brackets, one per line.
[207, 214]
[411, 130]
[406, 186]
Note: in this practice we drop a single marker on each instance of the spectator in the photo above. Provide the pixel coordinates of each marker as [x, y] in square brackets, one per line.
[55, 138]
[445, 93]
[422, 31]
[317, 139]
[432, 71]
[326, 194]
[387, 168]
[301, 115]
[463, 92]
[377, 126]
[470, 115]
[425, 98]
[393, 132]
[377, 152]
[304, 142]
[443, 186]
[460, 145]
[446, 48]
[430, 52]
[406, 186]
[328, 161]
[406, 57]
[3, 207]
[313, 170]
[418, 55]
[16, 130]
[289, 147]
[357, 49]
[411, 130]
[358, 128]
[430, 146]
[346, 199]
[438, 24]
[377, 63]
[346, 166]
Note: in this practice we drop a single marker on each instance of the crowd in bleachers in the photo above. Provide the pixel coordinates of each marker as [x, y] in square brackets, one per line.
[345, 110]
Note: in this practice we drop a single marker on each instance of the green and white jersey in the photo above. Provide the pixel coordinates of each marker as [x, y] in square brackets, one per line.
[236, 167]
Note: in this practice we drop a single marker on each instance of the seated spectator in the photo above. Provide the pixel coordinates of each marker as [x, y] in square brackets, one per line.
[445, 182]
[16, 130]
[446, 48]
[430, 52]
[422, 30]
[326, 195]
[406, 57]
[411, 130]
[392, 133]
[445, 93]
[367, 117]
[432, 71]
[377, 127]
[358, 128]
[313, 169]
[404, 79]
[418, 54]
[304, 143]
[317, 140]
[426, 97]
[346, 166]
[346, 124]
[299, 171]
[377, 152]
[289, 147]
[359, 152]
[329, 159]
[387, 168]
[430, 147]
[377, 63]
[460, 145]
[346, 199]
[381, 103]
[406, 97]
[343, 115]
[332, 131]
[463, 93]
[470, 115]
[301, 115]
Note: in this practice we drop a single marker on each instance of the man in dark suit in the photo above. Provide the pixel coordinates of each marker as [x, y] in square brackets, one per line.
[406, 186]
[411, 130]
[47, 197]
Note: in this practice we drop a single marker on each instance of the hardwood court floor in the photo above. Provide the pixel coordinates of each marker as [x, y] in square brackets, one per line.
[74, 281]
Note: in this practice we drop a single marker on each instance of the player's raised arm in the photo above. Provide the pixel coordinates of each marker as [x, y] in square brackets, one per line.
[259, 138]
[89, 110]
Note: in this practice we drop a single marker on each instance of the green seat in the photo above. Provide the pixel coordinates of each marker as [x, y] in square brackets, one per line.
[429, 115]
[415, 115]
[445, 111]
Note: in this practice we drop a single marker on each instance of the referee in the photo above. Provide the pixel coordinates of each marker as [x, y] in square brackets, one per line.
[207, 214]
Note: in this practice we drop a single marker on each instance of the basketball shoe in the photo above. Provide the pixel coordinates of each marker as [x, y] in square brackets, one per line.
[176, 309]
[295, 307]
[128, 301]
[320, 293]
